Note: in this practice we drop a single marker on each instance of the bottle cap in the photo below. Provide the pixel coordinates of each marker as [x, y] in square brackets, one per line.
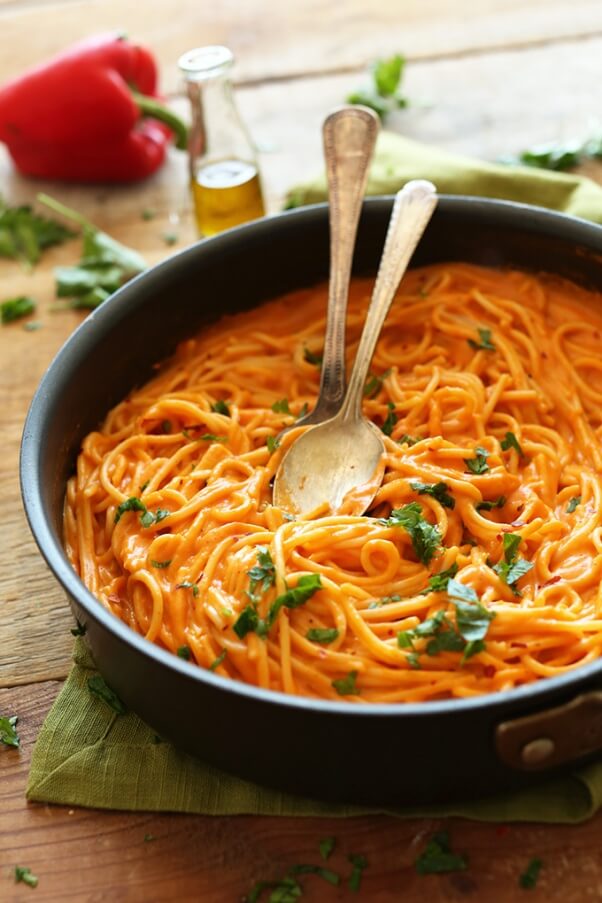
[205, 62]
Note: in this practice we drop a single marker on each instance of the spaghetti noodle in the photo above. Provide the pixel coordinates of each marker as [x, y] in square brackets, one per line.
[477, 569]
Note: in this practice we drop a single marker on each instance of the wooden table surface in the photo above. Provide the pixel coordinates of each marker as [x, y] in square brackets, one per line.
[518, 72]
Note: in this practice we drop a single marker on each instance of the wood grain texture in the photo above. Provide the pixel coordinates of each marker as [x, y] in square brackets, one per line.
[88, 855]
[295, 38]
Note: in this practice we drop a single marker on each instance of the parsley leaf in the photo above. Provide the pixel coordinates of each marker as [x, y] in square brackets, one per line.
[485, 343]
[345, 686]
[211, 437]
[438, 857]
[489, 506]
[26, 876]
[408, 440]
[326, 846]
[285, 891]
[263, 574]
[160, 564]
[312, 358]
[383, 95]
[510, 441]
[324, 873]
[425, 537]
[188, 585]
[478, 464]
[25, 234]
[390, 420]
[15, 308]
[374, 384]
[322, 635]
[131, 504]
[307, 585]
[576, 500]
[529, 877]
[184, 652]
[217, 661]
[436, 490]
[281, 407]
[359, 863]
[272, 442]
[385, 600]
[438, 582]
[302, 413]
[148, 518]
[221, 407]
[511, 568]
[102, 691]
[472, 618]
[8, 732]
[246, 622]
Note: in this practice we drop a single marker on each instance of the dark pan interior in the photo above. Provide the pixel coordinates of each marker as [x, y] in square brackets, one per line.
[315, 749]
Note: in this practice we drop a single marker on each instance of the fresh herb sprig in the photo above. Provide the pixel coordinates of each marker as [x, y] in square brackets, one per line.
[8, 730]
[16, 308]
[425, 537]
[478, 464]
[438, 491]
[383, 95]
[557, 156]
[438, 857]
[484, 343]
[511, 568]
[24, 235]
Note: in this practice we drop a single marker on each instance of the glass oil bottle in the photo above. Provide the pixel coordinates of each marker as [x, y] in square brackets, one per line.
[224, 175]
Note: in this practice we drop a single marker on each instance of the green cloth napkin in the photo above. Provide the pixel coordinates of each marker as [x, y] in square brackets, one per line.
[87, 755]
[398, 159]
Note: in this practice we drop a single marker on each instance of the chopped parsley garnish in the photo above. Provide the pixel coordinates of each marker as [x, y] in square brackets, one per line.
[272, 442]
[485, 343]
[385, 600]
[408, 440]
[466, 636]
[281, 407]
[425, 537]
[188, 585]
[288, 889]
[102, 691]
[247, 622]
[510, 441]
[438, 582]
[263, 574]
[80, 630]
[211, 437]
[322, 634]
[26, 876]
[221, 407]
[148, 838]
[131, 504]
[166, 426]
[374, 384]
[148, 518]
[529, 877]
[512, 568]
[160, 564]
[478, 464]
[306, 586]
[413, 660]
[184, 652]
[390, 420]
[489, 506]
[345, 686]
[576, 500]
[436, 490]
[359, 863]
[148, 213]
[324, 873]
[326, 846]
[311, 358]
[15, 308]
[438, 857]
[24, 234]
[217, 661]
[170, 238]
[8, 731]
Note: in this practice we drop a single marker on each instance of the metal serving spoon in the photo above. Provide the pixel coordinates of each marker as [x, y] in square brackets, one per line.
[340, 463]
[349, 135]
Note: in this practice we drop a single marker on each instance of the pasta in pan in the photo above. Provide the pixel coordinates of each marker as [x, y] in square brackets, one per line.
[478, 567]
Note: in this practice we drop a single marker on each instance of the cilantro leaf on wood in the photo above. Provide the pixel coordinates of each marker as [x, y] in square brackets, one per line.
[530, 876]
[359, 863]
[478, 464]
[25, 234]
[383, 94]
[484, 343]
[438, 491]
[101, 690]
[8, 730]
[15, 308]
[425, 537]
[26, 876]
[324, 873]
[437, 857]
[326, 846]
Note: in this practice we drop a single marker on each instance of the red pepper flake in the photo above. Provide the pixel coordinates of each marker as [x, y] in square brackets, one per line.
[489, 671]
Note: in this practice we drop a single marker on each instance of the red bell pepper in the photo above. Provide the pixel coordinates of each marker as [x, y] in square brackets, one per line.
[90, 114]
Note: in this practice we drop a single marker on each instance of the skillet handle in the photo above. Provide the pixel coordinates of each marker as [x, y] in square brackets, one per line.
[552, 737]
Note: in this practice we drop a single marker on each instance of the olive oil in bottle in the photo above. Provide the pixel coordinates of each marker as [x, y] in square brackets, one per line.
[224, 176]
[226, 193]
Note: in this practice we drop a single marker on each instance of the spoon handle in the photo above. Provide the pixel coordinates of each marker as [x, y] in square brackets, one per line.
[412, 210]
[349, 135]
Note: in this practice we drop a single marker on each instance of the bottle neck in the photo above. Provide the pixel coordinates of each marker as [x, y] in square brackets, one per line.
[217, 131]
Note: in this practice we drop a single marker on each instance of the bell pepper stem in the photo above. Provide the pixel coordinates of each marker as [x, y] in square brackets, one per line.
[65, 211]
[150, 106]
